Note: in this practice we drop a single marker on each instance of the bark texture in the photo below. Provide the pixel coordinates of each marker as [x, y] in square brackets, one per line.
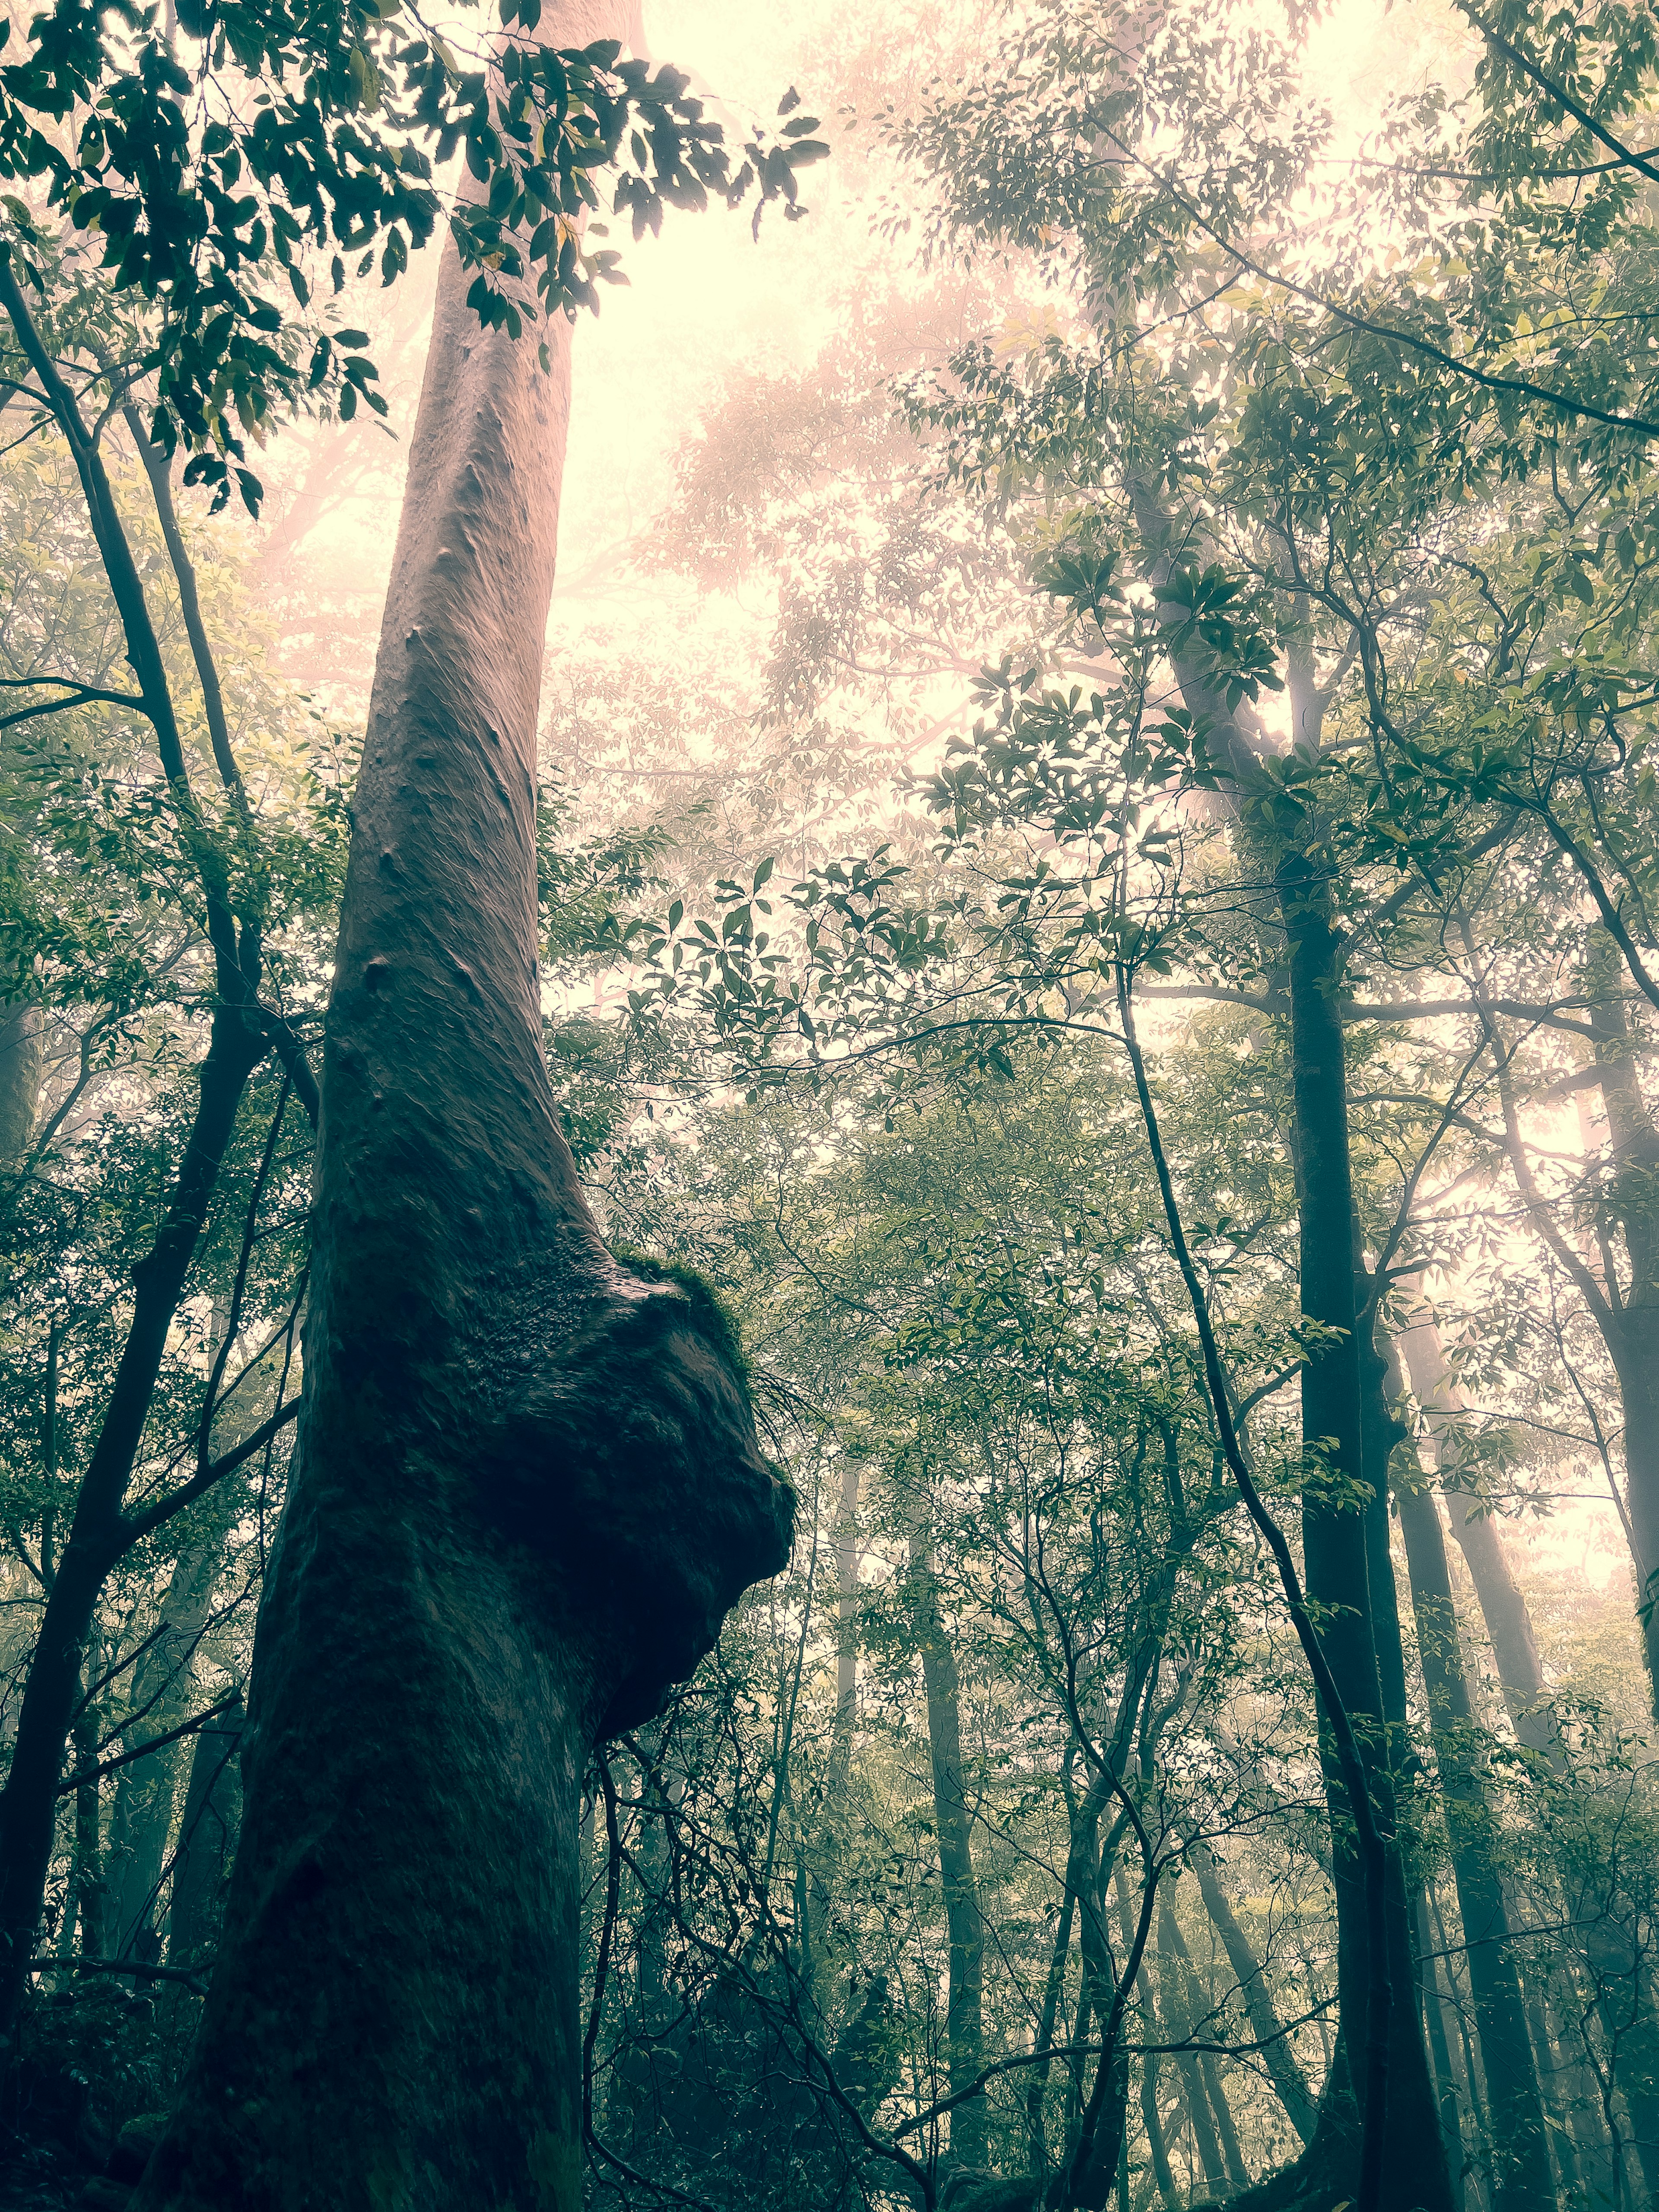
[527, 1487]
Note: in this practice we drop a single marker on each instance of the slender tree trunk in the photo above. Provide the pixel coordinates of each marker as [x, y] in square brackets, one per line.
[964, 2028]
[1277, 2054]
[100, 1534]
[1502, 1607]
[527, 1486]
[1521, 2168]
[1613, 1962]
[163, 1683]
[1632, 1195]
[208, 1829]
[1178, 2021]
[1445, 2074]
[91, 1892]
[20, 1063]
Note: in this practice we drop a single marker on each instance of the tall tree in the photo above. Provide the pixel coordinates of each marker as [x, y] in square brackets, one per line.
[527, 1488]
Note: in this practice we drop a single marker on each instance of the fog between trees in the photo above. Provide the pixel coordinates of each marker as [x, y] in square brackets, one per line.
[832, 1342]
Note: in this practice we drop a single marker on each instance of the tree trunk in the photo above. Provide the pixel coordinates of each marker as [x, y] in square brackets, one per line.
[20, 1061]
[526, 1486]
[91, 1893]
[208, 1829]
[1504, 1609]
[964, 2039]
[1335, 1544]
[100, 1534]
[1276, 2053]
[1180, 2016]
[1445, 2074]
[163, 1683]
[1633, 1198]
[1520, 2149]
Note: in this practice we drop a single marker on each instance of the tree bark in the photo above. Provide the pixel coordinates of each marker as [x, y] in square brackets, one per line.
[526, 1486]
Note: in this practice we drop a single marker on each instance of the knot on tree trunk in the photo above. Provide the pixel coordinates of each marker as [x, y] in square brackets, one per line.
[627, 1474]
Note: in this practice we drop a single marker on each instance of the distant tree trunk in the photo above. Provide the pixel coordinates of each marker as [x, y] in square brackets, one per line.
[1445, 2074]
[847, 1593]
[20, 1065]
[1180, 2018]
[1503, 1608]
[163, 1683]
[208, 1829]
[526, 1487]
[964, 2033]
[1277, 2054]
[1632, 1326]
[91, 1893]
[1624, 1999]
[1521, 2166]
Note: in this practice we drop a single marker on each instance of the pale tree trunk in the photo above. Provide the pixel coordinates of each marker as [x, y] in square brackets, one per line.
[963, 2025]
[1277, 2056]
[20, 1063]
[847, 1593]
[1178, 2025]
[526, 1487]
[1520, 2154]
[1503, 1608]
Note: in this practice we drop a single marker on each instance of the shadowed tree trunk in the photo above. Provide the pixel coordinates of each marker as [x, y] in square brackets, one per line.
[1337, 1545]
[208, 1829]
[526, 1488]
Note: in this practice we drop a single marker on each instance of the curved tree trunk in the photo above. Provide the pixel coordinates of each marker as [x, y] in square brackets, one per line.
[526, 1487]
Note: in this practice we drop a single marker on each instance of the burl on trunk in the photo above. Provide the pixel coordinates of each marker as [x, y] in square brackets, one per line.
[527, 1486]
